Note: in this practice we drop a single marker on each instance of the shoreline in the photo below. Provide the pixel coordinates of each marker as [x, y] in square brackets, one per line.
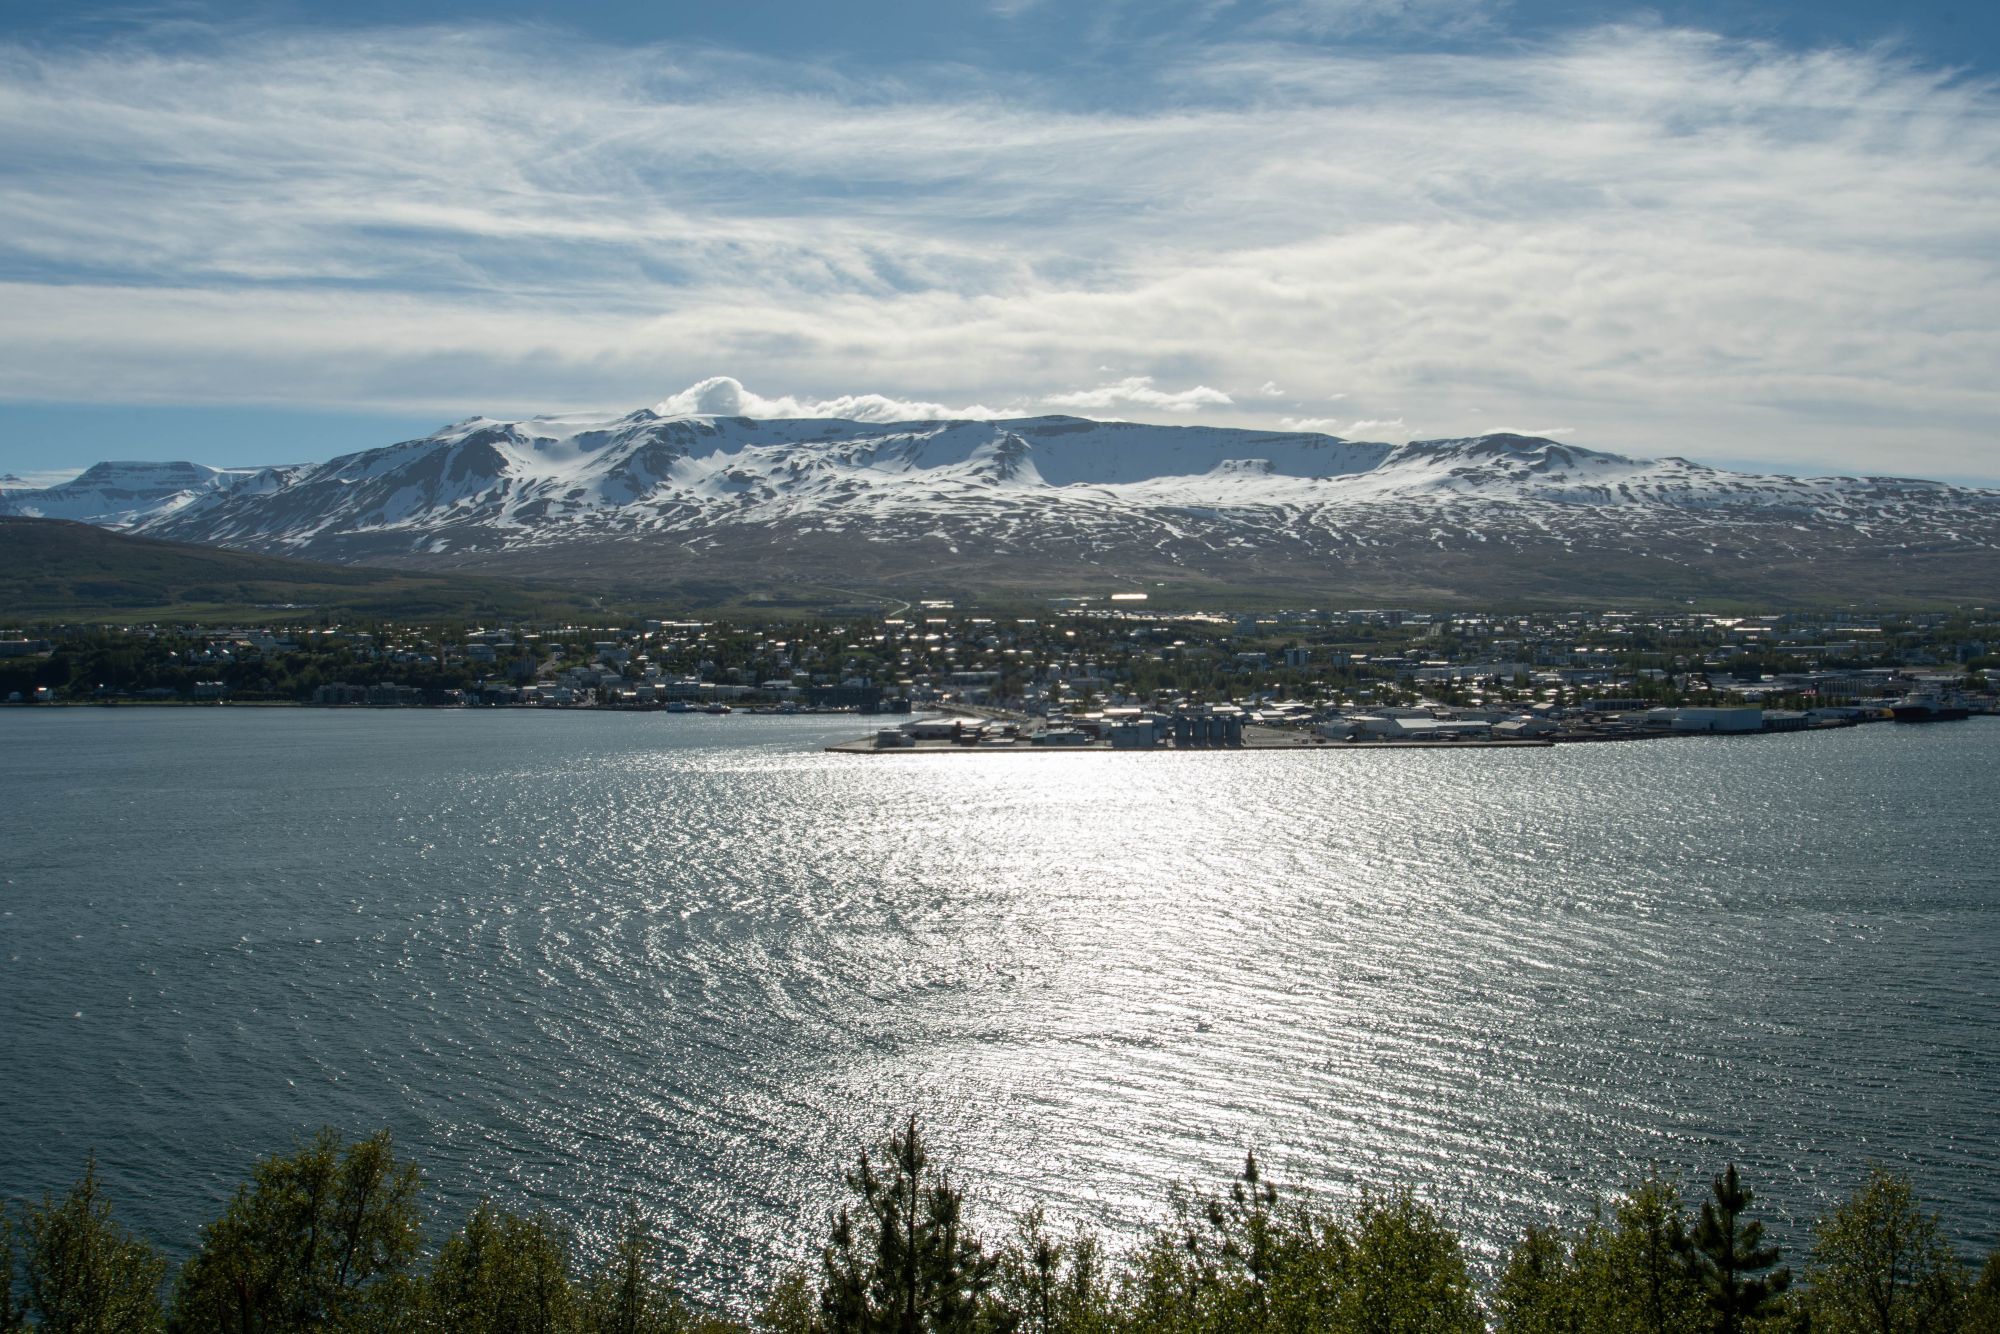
[1268, 740]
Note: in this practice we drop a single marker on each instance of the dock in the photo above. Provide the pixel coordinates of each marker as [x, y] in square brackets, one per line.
[1254, 738]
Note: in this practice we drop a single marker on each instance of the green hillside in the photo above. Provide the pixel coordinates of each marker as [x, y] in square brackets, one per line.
[52, 571]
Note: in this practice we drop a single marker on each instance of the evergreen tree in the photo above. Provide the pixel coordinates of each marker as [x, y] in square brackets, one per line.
[320, 1240]
[1047, 1286]
[905, 1264]
[632, 1294]
[1240, 1261]
[1880, 1265]
[84, 1273]
[1736, 1272]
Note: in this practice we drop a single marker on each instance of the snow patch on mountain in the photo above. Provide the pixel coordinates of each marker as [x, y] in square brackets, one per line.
[121, 495]
[1057, 487]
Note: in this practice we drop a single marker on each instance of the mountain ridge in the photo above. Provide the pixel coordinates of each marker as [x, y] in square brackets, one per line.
[1036, 503]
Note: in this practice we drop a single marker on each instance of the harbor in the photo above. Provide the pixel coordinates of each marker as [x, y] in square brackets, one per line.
[1230, 728]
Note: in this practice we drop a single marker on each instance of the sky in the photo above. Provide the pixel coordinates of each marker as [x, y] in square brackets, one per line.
[1761, 235]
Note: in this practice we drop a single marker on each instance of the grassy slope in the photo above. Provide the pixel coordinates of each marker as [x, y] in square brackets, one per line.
[751, 567]
[56, 571]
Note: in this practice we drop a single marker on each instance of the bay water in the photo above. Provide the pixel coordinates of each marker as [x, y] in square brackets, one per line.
[572, 959]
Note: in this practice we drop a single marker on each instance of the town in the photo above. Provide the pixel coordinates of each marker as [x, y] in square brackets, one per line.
[1106, 675]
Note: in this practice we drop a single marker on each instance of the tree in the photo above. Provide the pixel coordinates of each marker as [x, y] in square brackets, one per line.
[1982, 1307]
[1407, 1271]
[84, 1273]
[1046, 1286]
[1881, 1265]
[1649, 1245]
[905, 1264]
[320, 1240]
[1728, 1260]
[632, 1294]
[1557, 1283]
[12, 1317]
[504, 1274]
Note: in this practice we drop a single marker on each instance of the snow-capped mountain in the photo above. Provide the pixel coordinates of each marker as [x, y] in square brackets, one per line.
[119, 495]
[1047, 502]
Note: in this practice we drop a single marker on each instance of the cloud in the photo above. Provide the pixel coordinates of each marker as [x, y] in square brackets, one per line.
[1677, 243]
[1137, 391]
[1367, 427]
[1270, 389]
[1322, 425]
[724, 396]
[1349, 18]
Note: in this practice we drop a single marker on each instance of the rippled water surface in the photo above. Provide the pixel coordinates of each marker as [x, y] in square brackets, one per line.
[570, 958]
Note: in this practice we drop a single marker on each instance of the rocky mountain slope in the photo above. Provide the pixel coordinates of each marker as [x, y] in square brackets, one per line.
[119, 495]
[1062, 504]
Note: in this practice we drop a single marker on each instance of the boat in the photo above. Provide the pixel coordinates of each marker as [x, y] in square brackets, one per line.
[1929, 707]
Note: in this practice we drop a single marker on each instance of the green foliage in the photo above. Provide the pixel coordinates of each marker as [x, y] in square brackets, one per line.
[1044, 1285]
[503, 1273]
[1627, 1275]
[1408, 1271]
[632, 1294]
[1252, 1261]
[321, 1240]
[792, 1307]
[905, 1263]
[1737, 1273]
[12, 1316]
[326, 1239]
[1881, 1265]
[1982, 1304]
[84, 1273]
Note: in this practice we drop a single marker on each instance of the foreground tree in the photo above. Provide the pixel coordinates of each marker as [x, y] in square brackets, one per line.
[1251, 1262]
[1656, 1292]
[1738, 1275]
[1043, 1285]
[321, 1240]
[1625, 1274]
[83, 1272]
[1408, 1272]
[632, 1294]
[504, 1274]
[1982, 1306]
[1881, 1265]
[12, 1317]
[905, 1262]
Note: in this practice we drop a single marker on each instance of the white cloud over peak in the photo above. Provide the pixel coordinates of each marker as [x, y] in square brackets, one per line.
[1138, 391]
[1677, 243]
[1371, 429]
[725, 396]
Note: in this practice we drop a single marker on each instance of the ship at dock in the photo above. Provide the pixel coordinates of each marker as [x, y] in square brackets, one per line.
[1929, 707]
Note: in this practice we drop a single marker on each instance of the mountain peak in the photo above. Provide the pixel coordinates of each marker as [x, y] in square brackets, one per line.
[663, 495]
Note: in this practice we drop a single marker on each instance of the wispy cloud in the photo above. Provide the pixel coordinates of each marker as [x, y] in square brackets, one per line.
[1346, 18]
[1676, 243]
[1138, 391]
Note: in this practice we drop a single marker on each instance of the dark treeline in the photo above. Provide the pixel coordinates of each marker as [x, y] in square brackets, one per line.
[330, 1237]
